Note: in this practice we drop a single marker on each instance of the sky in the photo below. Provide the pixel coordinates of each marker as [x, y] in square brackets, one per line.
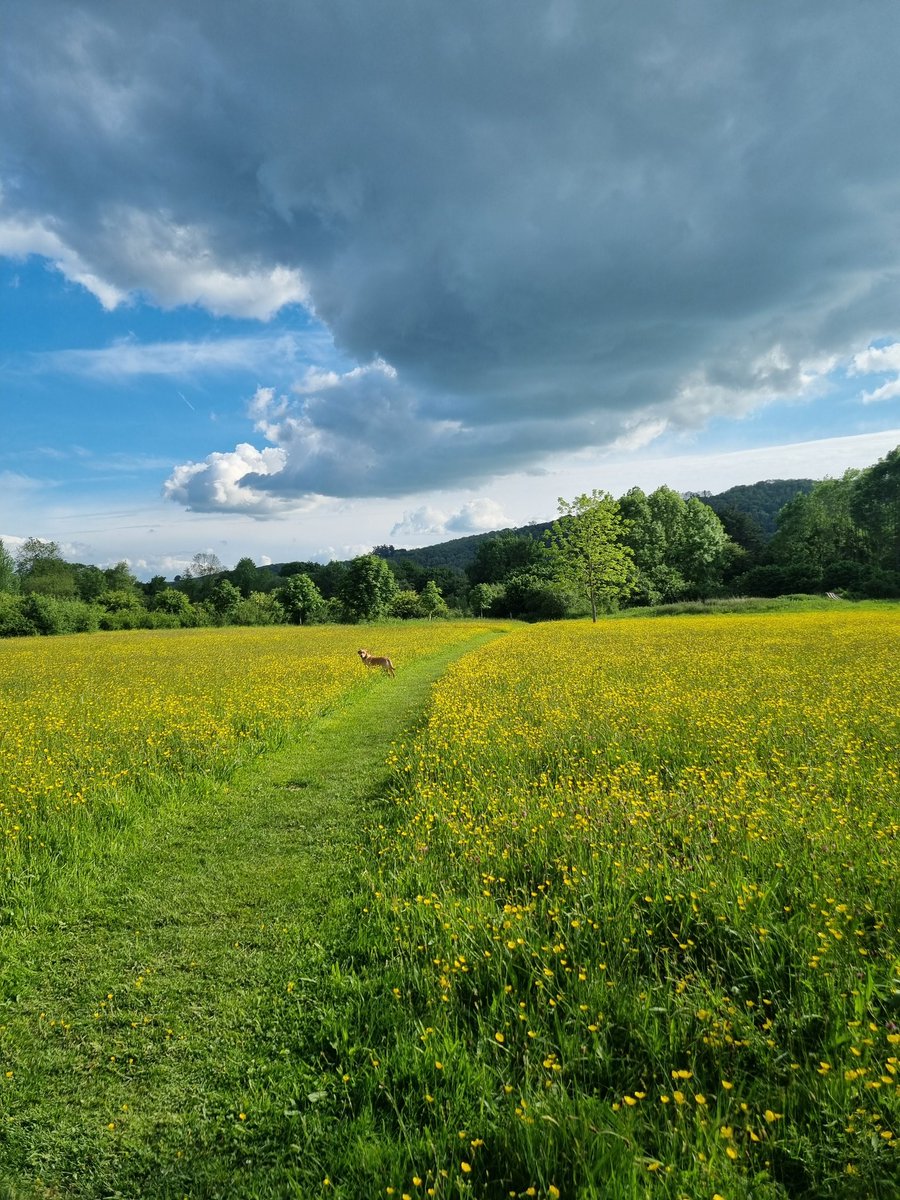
[291, 279]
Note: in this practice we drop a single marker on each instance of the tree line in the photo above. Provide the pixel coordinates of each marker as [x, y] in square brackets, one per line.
[839, 535]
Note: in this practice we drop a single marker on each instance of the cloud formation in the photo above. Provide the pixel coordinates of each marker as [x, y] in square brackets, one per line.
[879, 360]
[481, 515]
[534, 228]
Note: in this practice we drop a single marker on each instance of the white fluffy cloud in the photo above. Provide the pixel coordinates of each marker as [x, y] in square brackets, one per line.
[475, 516]
[216, 484]
[420, 521]
[879, 360]
[478, 516]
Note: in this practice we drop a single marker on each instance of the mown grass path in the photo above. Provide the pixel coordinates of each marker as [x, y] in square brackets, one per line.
[172, 1030]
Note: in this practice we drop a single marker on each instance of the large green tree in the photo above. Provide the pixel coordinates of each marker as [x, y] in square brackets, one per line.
[589, 553]
[300, 599]
[367, 589]
[42, 569]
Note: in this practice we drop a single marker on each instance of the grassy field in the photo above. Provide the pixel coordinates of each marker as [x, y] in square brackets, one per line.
[643, 889]
[95, 730]
[619, 919]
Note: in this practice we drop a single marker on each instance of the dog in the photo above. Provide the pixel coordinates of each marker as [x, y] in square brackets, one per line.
[370, 660]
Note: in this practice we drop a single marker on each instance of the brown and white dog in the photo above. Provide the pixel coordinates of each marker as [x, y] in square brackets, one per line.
[370, 660]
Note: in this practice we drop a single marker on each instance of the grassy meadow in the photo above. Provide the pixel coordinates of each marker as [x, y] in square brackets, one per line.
[624, 921]
[94, 729]
[642, 881]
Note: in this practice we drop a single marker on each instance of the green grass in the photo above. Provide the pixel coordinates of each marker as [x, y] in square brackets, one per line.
[628, 849]
[174, 1020]
[750, 605]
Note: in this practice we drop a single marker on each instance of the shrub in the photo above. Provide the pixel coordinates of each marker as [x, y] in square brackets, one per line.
[49, 615]
[13, 621]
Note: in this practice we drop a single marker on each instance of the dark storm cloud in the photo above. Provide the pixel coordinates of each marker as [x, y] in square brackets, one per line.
[554, 220]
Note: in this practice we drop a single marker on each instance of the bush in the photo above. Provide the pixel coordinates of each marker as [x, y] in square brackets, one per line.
[260, 608]
[127, 618]
[49, 615]
[405, 605]
[13, 621]
[535, 599]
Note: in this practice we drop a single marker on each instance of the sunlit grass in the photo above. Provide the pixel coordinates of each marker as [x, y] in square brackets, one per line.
[643, 891]
[89, 724]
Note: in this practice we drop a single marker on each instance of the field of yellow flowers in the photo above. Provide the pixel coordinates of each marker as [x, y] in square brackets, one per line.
[643, 887]
[90, 723]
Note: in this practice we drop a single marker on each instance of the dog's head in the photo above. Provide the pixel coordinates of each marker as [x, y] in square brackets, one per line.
[363, 654]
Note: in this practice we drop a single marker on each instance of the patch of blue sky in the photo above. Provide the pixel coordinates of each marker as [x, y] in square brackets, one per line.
[139, 385]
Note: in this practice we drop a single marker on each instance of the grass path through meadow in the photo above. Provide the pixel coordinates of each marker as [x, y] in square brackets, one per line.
[170, 1037]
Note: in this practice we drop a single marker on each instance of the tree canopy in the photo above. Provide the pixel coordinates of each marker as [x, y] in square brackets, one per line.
[588, 551]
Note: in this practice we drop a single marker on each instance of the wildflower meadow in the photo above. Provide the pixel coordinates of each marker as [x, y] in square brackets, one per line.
[643, 888]
[623, 921]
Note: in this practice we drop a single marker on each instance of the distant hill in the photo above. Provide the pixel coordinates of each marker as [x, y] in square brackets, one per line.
[460, 551]
[762, 501]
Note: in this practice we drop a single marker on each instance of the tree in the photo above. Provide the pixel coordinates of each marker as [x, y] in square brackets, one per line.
[42, 569]
[533, 597]
[259, 608]
[498, 558]
[702, 548]
[204, 563]
[8, 581]
[34, 551]
[225, 598]
[120, 578]
[589, 555]
[875, 505]
[170, 600]
[90, 582]
[367, 589]
[431, 601]
[246, 576]
[301, 599]
[483, 595]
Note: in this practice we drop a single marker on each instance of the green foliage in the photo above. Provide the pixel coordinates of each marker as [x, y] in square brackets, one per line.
[759, 502]
[589, 555]
[533, 596]
[120, 599]
[680, 546]
[49, 614]
[483, 596]
[497, 558]
[13, 621]
[8, 580]
[875, 507]
[259, 608]
[431, 601]
[368, 589]
[51, 578]
[405, 605]
[173, 603]
[300, 599]
[843, 534]
[225, 598]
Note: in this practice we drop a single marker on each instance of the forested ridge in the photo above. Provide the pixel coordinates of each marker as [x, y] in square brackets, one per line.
[837, 536]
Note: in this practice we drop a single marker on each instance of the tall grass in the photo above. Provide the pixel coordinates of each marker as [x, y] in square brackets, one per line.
[641, 888]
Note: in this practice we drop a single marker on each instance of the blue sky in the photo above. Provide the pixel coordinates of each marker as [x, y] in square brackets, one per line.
[289, 283]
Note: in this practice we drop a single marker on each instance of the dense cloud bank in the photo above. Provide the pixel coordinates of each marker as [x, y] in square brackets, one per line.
[532, 227]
